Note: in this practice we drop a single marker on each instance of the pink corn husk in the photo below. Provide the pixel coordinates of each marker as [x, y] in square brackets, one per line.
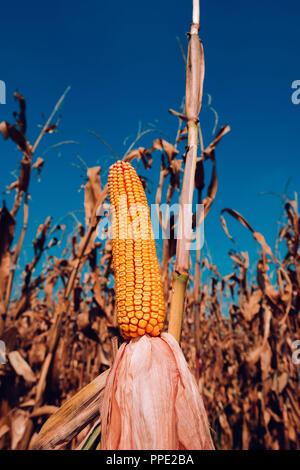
[151, 400]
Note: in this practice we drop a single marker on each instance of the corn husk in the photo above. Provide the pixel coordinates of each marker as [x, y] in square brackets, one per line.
[151, 400]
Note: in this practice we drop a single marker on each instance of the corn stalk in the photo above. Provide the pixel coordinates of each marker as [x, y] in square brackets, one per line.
[193, 99]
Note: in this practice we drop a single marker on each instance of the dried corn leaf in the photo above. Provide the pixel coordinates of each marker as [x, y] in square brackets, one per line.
[21, 367]
[19, 419]
[73, 416]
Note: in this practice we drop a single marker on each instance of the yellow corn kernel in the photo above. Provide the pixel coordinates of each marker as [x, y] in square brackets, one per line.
[139, 314]
[142, 323]
[132, 328]
[156, 331]
[139, 294]
[149, 328]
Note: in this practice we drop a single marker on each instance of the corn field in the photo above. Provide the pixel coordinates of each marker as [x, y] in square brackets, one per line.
[60, 329]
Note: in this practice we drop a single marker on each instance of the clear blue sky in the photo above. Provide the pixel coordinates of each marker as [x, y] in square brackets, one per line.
[124, 66]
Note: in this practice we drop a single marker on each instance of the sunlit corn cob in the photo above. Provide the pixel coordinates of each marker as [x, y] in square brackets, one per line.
[139, 294]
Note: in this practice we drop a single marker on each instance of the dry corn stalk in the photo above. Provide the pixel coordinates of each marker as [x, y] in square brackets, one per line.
[193, 99]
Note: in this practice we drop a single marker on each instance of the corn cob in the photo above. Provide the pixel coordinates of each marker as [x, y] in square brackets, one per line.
[138, 286]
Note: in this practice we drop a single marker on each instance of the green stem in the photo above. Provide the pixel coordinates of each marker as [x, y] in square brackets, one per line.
[177, 304]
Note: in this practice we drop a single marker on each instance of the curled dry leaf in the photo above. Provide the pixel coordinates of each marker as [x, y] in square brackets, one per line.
[21, 367]
[255, 354]
[169, 149]
[44, 410]
[226, 427]
[7, 230]
[19, 419]
[140, 153]
[92, 193]
[38, 164]
[251, 307]
[4, 129]
[238, 217]
[3, 430]
[280, 382]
